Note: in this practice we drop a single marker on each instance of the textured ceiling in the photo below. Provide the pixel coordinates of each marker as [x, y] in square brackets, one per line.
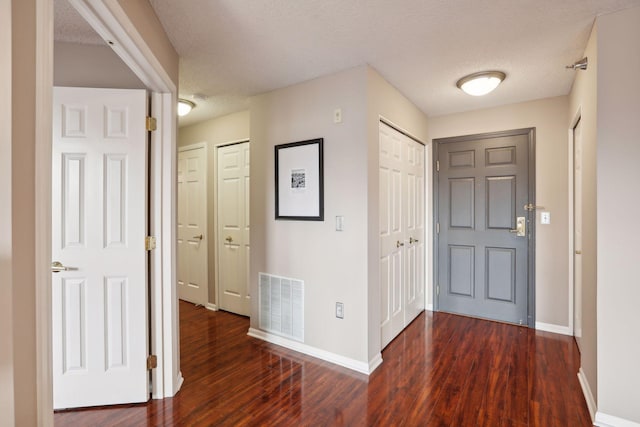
[233, 49]
[70, 27]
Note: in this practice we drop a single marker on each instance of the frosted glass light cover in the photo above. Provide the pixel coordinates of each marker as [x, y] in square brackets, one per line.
[185, 107]
[481, 83]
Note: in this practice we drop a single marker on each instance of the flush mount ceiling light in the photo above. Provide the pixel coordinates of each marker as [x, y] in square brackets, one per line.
[185, 107]
[478, 84]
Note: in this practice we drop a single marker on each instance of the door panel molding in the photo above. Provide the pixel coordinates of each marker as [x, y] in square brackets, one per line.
[493, 158]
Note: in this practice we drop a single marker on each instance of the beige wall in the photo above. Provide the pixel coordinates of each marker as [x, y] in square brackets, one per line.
[221, 130]
[618, 203]
[549, 117]
[144, 18]
[582, 102]
[23, 21]
[384, 101]
[83, 65]
[332, 264]
[336, 266]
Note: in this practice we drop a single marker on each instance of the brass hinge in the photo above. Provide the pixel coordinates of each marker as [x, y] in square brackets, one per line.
[152, 362]
[437, 165]
[149, 243]
[437, 228]
[151, 124]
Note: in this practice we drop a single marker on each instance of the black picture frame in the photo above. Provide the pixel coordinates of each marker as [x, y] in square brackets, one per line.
[299, 180]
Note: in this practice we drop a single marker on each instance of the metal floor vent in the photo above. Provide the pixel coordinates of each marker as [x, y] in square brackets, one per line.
[282, 306]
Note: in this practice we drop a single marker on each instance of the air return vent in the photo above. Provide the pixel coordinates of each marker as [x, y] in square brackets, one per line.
[282, 306]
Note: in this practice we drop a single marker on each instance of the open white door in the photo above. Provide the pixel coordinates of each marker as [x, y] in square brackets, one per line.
[192, 224]
[99, 202]
[234, 243]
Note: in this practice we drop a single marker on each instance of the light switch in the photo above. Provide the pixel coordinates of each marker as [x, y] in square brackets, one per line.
[339, 223]
[337, 115]
[545, 217]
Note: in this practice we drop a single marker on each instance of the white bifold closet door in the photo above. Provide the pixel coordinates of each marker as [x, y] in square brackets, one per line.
[402, 217]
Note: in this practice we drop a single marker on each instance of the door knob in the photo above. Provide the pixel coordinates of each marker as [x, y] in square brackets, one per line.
[412, 240]
[229, 239]
[399, 243]
[197, 237]
[57, 267]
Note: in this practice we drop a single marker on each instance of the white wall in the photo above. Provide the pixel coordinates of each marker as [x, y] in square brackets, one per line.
[582, 101]
[220, 130]
[618, 207]
[549, 117]
[332, 264]
[84, 65]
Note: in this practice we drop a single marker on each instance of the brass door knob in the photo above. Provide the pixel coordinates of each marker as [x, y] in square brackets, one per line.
[229, 239]
[200, 237]
[57, 267]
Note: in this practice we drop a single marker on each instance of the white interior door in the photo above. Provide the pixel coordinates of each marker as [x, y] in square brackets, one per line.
[401, 175]
[414, 233]
[99, 223]
[192, 224]
[577, 233]
[233, 228]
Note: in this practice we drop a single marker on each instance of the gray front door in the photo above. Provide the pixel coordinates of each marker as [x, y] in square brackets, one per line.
[482, 187]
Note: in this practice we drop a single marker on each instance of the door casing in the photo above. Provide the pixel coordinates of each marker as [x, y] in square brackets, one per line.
[109, 19]
[530, 132]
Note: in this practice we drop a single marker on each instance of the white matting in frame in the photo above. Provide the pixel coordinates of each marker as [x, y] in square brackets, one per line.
[299, 180]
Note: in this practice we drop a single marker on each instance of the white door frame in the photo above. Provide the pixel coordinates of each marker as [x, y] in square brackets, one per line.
[574, 121]
[110, 21]
[7, 378]
[214, 168]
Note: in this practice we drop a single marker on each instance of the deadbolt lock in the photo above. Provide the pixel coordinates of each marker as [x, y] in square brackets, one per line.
[521, 227]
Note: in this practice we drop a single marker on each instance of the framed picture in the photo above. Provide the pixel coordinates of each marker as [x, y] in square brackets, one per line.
[299, 180]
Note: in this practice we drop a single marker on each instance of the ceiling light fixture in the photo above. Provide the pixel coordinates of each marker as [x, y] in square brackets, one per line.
[478, 84]
[185, 107]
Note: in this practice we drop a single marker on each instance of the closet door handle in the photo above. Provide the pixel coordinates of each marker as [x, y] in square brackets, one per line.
[399, 243]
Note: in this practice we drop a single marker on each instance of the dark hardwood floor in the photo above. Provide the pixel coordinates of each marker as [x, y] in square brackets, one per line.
[443, 370]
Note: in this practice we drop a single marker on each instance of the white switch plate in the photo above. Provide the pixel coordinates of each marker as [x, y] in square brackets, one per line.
[545, 217]
[337, 115]
[340, 310]
[339, 223]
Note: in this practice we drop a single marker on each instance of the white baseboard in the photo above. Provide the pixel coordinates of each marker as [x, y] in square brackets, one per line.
[429, 307]
[605, 420]
[179, 381]
[356, 365]
[212, 307]
[588, 395]
[556, 329]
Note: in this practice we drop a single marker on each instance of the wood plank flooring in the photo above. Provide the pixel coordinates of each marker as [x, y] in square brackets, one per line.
[443, 370]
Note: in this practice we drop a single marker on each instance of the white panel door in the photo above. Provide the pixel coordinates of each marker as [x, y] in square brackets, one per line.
[577, 233]
[401, 175]
[414, 231]
[233, 228]
[392, 216]
[99, 223]
[192, 225]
